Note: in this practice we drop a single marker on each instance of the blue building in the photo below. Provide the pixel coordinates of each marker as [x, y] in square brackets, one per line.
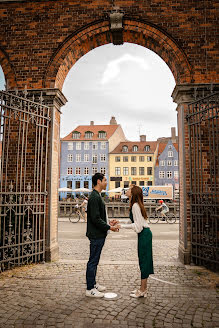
[167, 165]
[85, 151]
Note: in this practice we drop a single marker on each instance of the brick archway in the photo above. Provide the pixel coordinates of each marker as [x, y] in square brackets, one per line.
[8, 70]
[98, 33]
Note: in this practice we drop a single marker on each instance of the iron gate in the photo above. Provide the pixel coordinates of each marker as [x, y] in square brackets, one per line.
[203, 126]
[23, 196]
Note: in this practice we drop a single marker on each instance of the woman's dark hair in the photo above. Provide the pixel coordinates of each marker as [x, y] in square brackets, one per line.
[97, 176]
[137, 197]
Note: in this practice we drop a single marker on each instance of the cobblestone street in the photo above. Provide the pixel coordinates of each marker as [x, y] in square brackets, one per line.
[53, 294]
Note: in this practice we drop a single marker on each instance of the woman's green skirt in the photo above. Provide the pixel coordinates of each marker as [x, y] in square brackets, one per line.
[145, 255]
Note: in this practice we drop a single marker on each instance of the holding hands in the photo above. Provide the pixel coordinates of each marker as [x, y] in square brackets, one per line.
[114, 225]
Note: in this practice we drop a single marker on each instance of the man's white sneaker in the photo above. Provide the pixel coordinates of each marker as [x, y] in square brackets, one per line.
[94, 293]
[100, 288]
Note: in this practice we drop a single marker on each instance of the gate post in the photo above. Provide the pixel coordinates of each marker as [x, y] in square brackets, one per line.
[183, 95]
[54, 99]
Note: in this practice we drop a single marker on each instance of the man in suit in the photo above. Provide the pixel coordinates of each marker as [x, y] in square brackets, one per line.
[97, 229]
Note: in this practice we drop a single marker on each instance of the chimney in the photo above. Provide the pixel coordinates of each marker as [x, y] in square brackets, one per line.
[113, 121]
[91, 122]
[143, 137]
[173, 134]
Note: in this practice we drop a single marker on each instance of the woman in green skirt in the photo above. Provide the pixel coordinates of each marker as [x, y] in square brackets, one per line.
[138, 222]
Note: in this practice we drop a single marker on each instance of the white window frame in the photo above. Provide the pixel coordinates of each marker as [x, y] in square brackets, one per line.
[117, 171]
[176, 174]
[161, 174]
[176, 162]
[76, 135]
[70, 158]
[94, 161]
[141, 158]
[101, 134]
[140, 168]
[69, 171]
[103, 157]
[125, 149]
[149, 158]
[103, 145]
[77, 171]
[78, 157]
[86, 157]
[95, 145]
[94, 170]
[70, 145]
[169, 163]
[117, 157]
[135, 148]
[88, 135]
[169, 175]
[103, 170]
[86, 170]
[126, 170]
[170, 153]
[86, 145]
[125, 157]
[78, 146]
[162, 163]
[133, 168]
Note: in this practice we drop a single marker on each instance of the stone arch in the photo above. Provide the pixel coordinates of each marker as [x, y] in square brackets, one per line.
[98, 34]
[8, 70]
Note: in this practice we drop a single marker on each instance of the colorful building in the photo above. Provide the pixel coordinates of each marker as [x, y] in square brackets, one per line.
[167, 165]
[85, 151]
[132, 162]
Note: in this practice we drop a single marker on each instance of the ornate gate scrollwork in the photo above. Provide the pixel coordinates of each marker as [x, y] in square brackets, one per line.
[24, 135]
[203, 123]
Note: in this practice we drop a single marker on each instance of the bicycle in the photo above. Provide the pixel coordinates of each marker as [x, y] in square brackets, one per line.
[156, 216]
[76, 215]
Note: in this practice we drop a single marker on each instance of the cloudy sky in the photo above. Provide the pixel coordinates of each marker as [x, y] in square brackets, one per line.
[129, 82]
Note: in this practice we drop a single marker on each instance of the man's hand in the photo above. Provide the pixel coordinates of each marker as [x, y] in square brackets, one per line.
[115, 228]
[113, 222]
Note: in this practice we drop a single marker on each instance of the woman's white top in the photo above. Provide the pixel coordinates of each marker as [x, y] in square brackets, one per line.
[139, 220]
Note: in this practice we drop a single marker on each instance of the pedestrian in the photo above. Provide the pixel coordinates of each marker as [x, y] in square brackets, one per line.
[164, 209]
[97, 229]
[138, 222]
[84, 208]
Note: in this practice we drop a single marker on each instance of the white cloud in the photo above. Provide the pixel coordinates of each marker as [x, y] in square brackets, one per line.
[113, 67]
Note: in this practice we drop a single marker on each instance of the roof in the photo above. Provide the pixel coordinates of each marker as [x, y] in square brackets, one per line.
[140, 144]
[109, 129]
[161, 148]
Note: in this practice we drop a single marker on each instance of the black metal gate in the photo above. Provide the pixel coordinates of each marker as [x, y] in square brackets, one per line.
[203, 126]
[23, 196]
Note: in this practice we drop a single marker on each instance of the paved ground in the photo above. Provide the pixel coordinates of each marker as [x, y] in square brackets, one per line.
[52, 294]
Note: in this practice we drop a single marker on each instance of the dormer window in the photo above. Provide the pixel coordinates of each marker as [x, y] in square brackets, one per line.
[101, 134]
[89, 135]
[125, 149]
[135, 148]
[170, 147]
[147, 148]
[76, 135]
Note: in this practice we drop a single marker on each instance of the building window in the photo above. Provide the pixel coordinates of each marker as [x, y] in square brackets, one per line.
[125, 171]
[141, 170]
[101, 134]
[162, 163]
[69, 184]
[94, 145]
[176, 174]
[135, 148]
[76, 135]
[103, 170]
[86, 184]
[175, 163]
[103, 157]
[169, 174]
[103, 145]
[133, 158]
[78, 157]
[134, 182]
[141, 158]
[141, 183]
[169, 163]
[133, 170]
[149, 158]
[94, 159]
[88, 135]
[69, 171]
[86, 146]
[162, 174]
[77, 184]
[86, 171]
[86, 157]
[125, 149]
[77, 170]
[147, 148]
[117, 171]
[125, 159]
[70, 145]
[170, 153]
[94, 170]
[78, 145]
[149, 183]
[117, 184]
[117, 159]
[70, 158]
[149, 170]
[170, 147]
[126, 184]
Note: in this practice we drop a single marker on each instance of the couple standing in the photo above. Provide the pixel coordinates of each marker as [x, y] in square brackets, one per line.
[98, 227]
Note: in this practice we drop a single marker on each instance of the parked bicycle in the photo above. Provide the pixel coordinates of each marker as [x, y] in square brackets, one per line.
[157, 216]
[76, 215]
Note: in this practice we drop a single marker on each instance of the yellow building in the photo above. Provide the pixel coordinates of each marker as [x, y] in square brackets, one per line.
[132, 162]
